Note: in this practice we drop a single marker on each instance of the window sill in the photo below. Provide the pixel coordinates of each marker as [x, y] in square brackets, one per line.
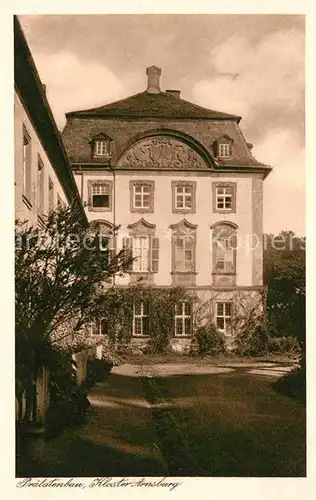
[142, 272]
[27, 202]
[183, 211]
[140, 336]
[224, 210]
[224, 274]
[182, 337]
[99, 209]
[142, 210]
[106, 156]
[184, 273]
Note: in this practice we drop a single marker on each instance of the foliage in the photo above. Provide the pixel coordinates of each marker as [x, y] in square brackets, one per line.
[59, 268]
[118, 306]
[293, 384]
[68, 401]
[283, 345]
[284, 274]
[207, 340]
[252, 338]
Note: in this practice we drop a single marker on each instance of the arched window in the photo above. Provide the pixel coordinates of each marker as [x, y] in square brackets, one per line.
[183, 238]
[104, 231]
[224, 248]
[144, 247]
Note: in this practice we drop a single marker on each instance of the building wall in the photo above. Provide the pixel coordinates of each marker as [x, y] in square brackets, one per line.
[248, 217]
[27, 209]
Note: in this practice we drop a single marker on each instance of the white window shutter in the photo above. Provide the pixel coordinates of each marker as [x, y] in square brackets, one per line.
[111, 248]
[128, 246]
[154, 254]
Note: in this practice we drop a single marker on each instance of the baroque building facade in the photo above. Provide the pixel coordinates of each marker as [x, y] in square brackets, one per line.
[180, 182]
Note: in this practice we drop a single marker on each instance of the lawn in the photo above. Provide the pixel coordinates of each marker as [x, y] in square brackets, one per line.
[151, 359]
[231, 425]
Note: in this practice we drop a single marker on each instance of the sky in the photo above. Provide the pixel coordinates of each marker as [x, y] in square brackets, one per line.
[249, 65]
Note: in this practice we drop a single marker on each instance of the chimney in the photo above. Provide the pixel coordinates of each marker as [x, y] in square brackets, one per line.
[153, 74]
[250, 146]
[175, 93]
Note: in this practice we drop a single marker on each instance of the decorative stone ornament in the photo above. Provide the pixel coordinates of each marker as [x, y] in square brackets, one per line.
[161, 153]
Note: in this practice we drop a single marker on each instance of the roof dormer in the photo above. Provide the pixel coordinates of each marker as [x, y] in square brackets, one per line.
[101, 146]
[223, 147]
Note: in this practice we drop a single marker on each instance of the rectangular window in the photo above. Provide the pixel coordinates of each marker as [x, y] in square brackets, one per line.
[184, 197]
[184, 253]
[140, 247]
[141, 196]
[224, 150]
[224, 317]
[99, 327]
[100, 195]
[103, 327]
[183, 319]
[101, 148]
[27, 166]
[224, 198]
[40, 186]
[50, 195]
[140, 319]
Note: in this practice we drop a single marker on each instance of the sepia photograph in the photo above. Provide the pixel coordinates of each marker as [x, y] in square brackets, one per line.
[159, 175]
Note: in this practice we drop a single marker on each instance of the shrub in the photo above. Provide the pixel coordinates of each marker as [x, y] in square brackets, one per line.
[207, 340]
[252, 339]
[283, 345]
[98, 370]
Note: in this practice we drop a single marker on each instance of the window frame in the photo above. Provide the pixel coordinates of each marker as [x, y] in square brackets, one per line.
[96, 327]
[183, 184]
[105, 144]
[188, 245]
[232, 238]
[143, 250]
[224, 185]
[224, 316]
[99, 182]
[51, 195]
[181, 318]
[26, 165]
[224, 145]
[142, 183]
[140, 316]
[40, 186]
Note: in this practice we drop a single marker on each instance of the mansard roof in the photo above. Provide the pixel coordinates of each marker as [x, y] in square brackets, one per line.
[148, 105]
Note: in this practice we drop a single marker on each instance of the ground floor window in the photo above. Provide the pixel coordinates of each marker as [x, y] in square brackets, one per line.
[140, 319]
[100, 327]
[183, 319]
[224, 316]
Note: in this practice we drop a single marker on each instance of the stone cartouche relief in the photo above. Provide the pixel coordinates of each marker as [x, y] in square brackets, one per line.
[161, 153]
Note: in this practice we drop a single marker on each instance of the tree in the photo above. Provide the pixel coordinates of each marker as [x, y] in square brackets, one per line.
[284, 274]
[59, 268]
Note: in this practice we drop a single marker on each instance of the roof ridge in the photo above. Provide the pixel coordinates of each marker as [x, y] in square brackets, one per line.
[105, 105]
[144, 104]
